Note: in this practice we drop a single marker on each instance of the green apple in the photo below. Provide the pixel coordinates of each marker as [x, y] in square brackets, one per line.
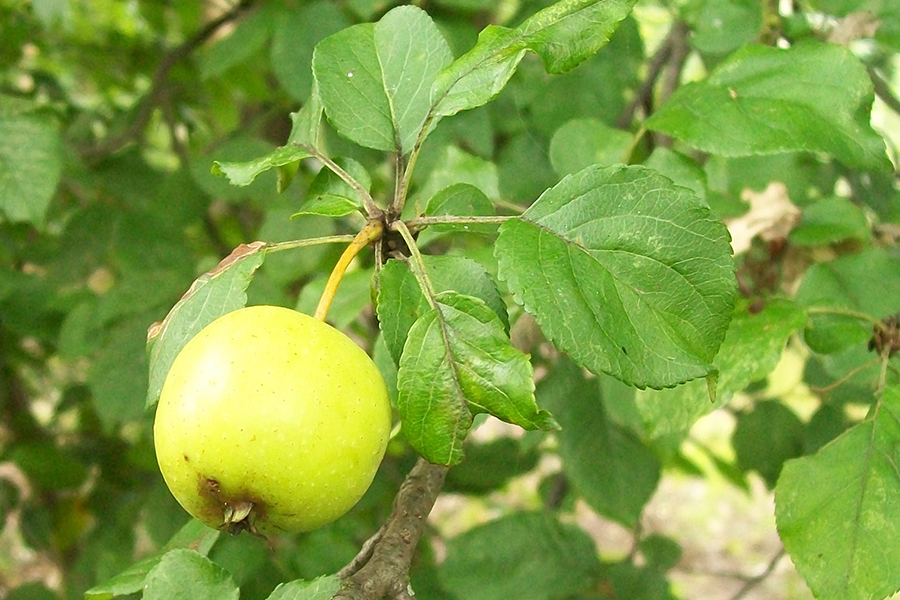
[271, 420]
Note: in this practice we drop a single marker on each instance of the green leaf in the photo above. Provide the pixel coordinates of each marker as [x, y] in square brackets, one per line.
[830, 220]
[295, 38]
[212, 295]
[610, 468]
[838, 512]
[523, 555]
[722, 26]
[868, 282]
[353, 295]
[194, 536]
[455, 167]
[243, 173]
[47, 465]
[562, 35]
[627, 273]
[766, 437]
[458, 361]
[751, 349]
[331, 196]
[581, 143]
[186, 575]
[117, 375]
[248, 38]
[401, 301]
[30, 166]
[461, 199]
[490, 465]
[375, 79]
[321, 588]
[812, 97]
[626, 580]
[679, 168]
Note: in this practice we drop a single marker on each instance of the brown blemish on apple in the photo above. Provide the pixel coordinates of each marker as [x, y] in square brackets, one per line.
[237, 512]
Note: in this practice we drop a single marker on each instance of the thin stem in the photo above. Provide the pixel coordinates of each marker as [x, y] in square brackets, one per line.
[416, 264]
[403, 188]
[368, 234]
[645, 92]
[328, 239]
[755, 581]
[844, 312]
[883, 90]
[457, 220]
[371, 208]
[638, 136]
[509, 206]
[842, 380]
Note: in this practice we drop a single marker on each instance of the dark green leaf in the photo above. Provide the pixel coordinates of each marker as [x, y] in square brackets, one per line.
[581, 143]
[212, 295]
[813, 97]
[722, 26]
[539, 559]
[456, 167]
[331, 196]
[297, 32]
[838, 512]
[458, 361]
[322, 588]
[490, 465]
[353, 295]
[118, 374]
[460, 199]
[186, 575]
[47, 465]
[243, 42]
[194, 536]
[625, 272]
[766, 437]
[610, 468]
[751, 349]
[625, 580]
[401, 302]
[660, 552]
[30, 166]
[868, 282]
[375, 79]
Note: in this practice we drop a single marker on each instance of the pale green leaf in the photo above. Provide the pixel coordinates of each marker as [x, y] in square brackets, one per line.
[581, 143]
[457, 362]
[194, 535]
[838, 512]
[321, 588]
[331, 196]
[30, 166]
[213, 294]
[627, 273]
[762, 100]
[751, 349]
[186, 575]
[243, 173]
[375, 79]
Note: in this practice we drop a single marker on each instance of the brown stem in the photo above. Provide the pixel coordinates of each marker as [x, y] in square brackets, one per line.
[645, 92]
[883, 91]
[672, 77]
[385, 572]
[158, 82]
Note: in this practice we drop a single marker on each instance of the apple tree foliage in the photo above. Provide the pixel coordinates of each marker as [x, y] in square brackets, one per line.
[598, 221]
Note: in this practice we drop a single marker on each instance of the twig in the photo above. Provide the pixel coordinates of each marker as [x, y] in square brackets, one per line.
[645, 92]
[386, 571]
[672, 77]
[755, 581]
[883, 90]
[158, 81]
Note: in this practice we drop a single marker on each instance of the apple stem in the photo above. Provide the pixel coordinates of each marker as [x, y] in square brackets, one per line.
[368, 234]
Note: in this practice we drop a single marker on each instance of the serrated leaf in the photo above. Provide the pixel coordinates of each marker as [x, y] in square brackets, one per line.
[375, 79]
[457, 362]
[194, 536]
[212, 295]
[539, 559]
[581, 143]
[868, 282]
[563, 35]
[838, 512]
[401, 301]
[321, 588]
[751, 350]
[186, 575]
[626, 272]
[812, 97]
[30, 166]
[609, 467]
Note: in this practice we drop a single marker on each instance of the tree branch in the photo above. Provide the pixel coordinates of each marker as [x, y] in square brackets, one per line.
[645, 92]
[157, 84]
[755, 581]
[381, 569]
[883, 90]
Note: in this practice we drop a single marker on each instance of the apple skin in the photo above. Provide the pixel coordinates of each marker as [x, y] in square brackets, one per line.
[271, 411]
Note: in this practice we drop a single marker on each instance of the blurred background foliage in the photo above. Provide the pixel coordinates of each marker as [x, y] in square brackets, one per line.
[111, 113]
